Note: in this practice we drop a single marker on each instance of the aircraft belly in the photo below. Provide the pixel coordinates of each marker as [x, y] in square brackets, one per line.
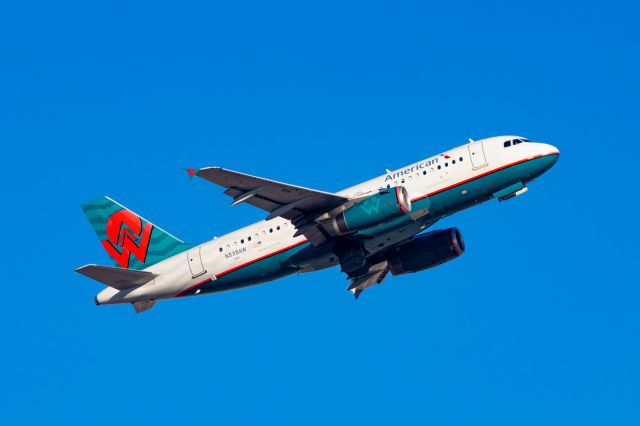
[314, 258]
[252, 276]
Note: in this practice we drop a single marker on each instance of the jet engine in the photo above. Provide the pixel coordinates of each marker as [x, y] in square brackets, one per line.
[427, 251]
[386, 204]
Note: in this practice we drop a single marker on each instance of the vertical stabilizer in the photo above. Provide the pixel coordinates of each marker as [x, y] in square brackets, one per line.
[130, 240]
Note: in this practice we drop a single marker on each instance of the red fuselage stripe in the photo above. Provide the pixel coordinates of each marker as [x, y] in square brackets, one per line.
[483, 174]
[235, 268]
[193, 287]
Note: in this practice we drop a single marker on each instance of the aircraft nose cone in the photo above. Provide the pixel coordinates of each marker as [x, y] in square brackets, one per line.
[554, 153]
[551, 154]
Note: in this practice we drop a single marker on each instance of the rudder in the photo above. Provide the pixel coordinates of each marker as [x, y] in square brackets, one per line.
[131, 241]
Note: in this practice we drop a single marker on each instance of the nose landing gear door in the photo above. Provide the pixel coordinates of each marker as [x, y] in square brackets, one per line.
[476, 152]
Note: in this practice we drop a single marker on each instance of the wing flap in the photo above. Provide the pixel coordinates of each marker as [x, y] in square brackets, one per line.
[375, 275]
[118, 278]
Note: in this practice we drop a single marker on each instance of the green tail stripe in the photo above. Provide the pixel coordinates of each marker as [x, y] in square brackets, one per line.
[87, 208]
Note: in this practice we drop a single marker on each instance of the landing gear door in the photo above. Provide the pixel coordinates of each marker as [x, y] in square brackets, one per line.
[476, 152]
[195, 262]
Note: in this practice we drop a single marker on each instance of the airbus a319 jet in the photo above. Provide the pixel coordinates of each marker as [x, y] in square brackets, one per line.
[369, 230]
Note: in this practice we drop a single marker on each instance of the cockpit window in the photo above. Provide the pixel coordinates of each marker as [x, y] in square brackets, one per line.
[507, 144]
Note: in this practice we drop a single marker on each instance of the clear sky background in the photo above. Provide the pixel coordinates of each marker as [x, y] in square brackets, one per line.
[537, 323]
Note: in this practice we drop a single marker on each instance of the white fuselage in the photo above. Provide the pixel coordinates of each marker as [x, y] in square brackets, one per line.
[230, 253]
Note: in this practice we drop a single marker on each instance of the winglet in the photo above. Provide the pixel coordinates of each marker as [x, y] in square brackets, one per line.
[190, 171]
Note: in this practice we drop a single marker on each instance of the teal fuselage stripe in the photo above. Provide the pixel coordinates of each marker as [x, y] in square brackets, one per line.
[440, 204]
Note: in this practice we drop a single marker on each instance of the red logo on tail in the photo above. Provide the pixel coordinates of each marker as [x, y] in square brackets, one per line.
[126, 235]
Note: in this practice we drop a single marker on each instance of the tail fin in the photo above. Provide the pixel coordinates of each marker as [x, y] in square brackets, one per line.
[132, 242]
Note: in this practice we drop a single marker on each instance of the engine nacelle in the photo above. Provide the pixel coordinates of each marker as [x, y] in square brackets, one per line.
[427, 251]
[386, 204]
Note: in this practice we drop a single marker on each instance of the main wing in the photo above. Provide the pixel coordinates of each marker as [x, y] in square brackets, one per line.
[300, 205]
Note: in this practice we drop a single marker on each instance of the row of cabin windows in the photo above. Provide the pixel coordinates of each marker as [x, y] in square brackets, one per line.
[424, 172]
[447, 163]
[254, 236]
[507, 144]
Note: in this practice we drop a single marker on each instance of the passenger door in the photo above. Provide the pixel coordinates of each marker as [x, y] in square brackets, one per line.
[195, 262]
[476, 152]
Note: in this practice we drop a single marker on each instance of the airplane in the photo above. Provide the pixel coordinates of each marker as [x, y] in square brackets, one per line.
[369, 229]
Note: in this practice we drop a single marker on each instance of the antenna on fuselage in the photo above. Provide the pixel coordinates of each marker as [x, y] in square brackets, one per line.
[471, 140]
[388, 171]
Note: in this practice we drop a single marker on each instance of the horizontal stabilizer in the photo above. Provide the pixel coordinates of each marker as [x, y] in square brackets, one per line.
[118, 278]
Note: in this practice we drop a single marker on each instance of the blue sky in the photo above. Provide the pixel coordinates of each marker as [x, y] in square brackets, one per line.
[537, 323]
